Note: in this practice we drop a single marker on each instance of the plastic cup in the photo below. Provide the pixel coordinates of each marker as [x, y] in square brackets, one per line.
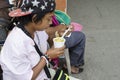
[58, 42]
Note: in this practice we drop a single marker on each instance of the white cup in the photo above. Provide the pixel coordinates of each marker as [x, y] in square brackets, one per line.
[58, 42]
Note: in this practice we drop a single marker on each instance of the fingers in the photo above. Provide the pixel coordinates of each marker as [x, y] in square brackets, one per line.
[64, 28]
[71, 27]
[60, 53]
[61, 48]
[55, 52]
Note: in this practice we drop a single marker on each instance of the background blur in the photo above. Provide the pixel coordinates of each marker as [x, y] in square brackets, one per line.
[101, 21]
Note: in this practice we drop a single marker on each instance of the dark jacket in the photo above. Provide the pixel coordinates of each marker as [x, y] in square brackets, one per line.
[4, 3]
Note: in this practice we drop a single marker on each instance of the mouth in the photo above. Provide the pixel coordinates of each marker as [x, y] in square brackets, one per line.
[47, 26]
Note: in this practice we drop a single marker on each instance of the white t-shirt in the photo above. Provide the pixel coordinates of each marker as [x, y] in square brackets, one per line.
[18, 57]
[41, 38]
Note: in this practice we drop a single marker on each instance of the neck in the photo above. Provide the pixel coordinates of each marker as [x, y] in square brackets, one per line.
[30, 30]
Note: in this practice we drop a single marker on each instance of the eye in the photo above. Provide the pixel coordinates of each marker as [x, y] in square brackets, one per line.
[49, 19]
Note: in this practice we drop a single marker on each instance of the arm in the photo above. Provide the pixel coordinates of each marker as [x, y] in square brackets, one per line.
[51, 32]
[55, 52]
[38, 68]
[52, 53]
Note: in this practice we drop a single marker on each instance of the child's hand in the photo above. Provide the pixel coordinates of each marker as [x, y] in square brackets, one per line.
[55, 52]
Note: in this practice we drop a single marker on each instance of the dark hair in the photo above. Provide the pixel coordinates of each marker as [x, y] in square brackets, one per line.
[28, 18]
[24, 20]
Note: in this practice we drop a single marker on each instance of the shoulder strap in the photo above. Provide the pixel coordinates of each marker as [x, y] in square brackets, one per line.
[39, 52]
[45, 68]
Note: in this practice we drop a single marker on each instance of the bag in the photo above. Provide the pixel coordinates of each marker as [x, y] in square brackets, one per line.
[60, 75]
[1, 72]
[77, 26]
[62, 17]
[37, 49]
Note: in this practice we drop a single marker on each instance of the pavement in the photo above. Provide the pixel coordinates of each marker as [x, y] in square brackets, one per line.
[101, 21]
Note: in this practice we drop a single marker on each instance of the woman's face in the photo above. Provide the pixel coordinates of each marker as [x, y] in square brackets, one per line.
[45, 22]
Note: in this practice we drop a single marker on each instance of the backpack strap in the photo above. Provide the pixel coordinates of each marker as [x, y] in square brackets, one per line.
[37, 49]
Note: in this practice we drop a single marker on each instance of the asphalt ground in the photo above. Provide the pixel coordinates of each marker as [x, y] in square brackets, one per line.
[101, 21]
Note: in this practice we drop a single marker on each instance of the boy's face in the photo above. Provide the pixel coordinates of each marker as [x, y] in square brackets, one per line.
[45, 22]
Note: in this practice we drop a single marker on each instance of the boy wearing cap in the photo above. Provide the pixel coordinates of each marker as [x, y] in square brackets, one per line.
[20, 57]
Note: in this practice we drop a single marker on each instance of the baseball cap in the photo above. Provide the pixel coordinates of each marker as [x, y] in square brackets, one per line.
[27, 7]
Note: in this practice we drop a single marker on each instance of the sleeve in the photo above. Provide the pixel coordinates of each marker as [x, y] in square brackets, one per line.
[22, 59]
[41, 38]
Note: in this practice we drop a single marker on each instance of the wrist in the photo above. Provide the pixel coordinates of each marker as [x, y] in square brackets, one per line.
[46, 56]
[46, 60]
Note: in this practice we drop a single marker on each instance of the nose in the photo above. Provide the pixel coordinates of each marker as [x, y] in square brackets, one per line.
[50, 22]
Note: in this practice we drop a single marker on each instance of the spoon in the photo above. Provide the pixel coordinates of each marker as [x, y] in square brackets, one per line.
[66, 32]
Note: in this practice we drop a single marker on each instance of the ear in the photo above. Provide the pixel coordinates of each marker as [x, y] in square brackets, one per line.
[34, 18]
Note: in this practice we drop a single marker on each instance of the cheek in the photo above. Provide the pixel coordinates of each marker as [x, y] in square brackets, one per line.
[45, 24]
[38, 26]
[41, 26]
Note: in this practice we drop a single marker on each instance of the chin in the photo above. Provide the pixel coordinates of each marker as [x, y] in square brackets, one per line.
[47, 26]
[40, 29]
